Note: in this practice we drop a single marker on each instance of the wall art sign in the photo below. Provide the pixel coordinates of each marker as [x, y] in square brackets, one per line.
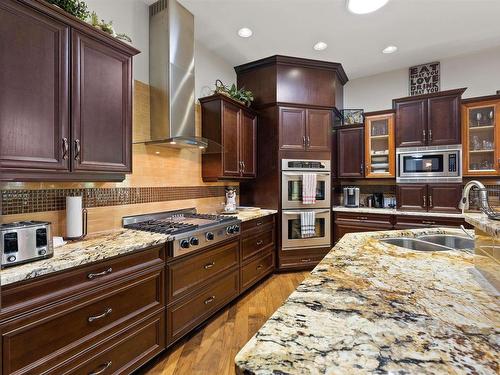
[424, 79]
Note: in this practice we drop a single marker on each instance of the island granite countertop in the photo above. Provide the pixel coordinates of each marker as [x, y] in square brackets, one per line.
[481, 221]
[93, 248]
[370, 307]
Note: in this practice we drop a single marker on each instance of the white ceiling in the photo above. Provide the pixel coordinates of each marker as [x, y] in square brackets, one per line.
[424, 30]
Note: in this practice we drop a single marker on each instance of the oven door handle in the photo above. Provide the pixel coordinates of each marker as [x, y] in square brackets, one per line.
[300, 174]
[299, 212]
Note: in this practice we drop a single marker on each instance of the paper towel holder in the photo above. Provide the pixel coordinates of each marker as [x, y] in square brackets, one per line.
[84, 228]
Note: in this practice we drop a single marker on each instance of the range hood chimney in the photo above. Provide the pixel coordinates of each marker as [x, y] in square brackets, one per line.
[171, 72]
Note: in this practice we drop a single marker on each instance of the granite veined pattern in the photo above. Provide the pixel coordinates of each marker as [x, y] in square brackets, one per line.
[370, 307]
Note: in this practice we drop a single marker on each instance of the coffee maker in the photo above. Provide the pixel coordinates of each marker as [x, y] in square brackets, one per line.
[351, 196]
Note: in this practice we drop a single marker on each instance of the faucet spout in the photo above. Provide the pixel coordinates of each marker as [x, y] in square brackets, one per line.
[484, 205]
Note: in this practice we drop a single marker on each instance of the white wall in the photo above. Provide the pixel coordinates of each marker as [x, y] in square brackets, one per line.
[209, 67]
[129, 17]
[479, 72]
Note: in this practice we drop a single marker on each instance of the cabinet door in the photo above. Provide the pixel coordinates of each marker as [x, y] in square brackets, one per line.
[444, 197]
[379, 146]
[412, 197]
[230, 137]
[34, 101]
[411, 123]
[350, 152]
[101, 105]
[248, 144]
[318, 129]
[292, 128]
[443, 120]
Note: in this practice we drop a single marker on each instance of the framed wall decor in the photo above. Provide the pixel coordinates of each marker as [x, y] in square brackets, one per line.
[353, 117]
[424, 79]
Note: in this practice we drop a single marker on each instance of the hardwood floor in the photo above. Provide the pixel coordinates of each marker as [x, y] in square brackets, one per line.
[212, 348]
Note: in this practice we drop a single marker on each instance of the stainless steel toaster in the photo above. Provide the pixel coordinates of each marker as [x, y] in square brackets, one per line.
[25, 241]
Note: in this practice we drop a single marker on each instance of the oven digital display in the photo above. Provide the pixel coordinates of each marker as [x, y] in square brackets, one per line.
[423, 163]
[306, 164]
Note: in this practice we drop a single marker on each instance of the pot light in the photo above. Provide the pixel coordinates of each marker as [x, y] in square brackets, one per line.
[245, 32]
[365, 6]
[320, 46]
[390, 49]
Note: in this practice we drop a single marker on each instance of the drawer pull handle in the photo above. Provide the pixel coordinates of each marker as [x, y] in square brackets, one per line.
[104, 368]
[258, 223]
[209, 265]
[259, 242]
[65, 148]
[428, 222]
[259, 267]
[362, 218]
[305, 260]
[91, 276]
[209, 300]
[108, 311]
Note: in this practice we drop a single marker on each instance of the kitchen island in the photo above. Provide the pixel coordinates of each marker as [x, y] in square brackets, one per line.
[370, 307]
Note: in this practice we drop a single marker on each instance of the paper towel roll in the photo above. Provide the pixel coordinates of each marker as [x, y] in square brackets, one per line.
[74, 217]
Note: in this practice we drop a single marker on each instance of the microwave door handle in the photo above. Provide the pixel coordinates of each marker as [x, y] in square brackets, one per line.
[299, 212]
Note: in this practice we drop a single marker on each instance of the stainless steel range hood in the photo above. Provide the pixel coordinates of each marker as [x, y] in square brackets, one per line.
[171, 72]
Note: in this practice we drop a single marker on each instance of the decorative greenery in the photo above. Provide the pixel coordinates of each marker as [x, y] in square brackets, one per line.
[77, 8]
[241, 95]
[107, 27]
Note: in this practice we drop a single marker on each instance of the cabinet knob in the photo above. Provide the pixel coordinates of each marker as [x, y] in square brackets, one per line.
[65, 146]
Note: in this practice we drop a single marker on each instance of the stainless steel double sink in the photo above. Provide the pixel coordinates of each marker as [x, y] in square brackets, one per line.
[434, 242]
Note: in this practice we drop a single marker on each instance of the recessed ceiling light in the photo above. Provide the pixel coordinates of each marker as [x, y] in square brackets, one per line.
[245, 32]
[390, 49]
[320, 46]
[365, 6]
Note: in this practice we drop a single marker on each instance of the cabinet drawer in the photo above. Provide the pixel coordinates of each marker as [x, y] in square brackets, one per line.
[189, 273]
[185, 315]
[253, 244]
[364, 218]
[42, 339]
[301, 258]
[124, 354]
[408, 222]
[251, 225]
[54, 287]
[257, 269]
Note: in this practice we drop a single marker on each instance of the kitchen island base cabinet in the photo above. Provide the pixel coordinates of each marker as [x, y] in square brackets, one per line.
[354, 223]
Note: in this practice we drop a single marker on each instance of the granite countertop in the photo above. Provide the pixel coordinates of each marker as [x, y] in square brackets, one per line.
[91, 249]
[481, 221]
[247, 215]
[393, 211]
[370, 307]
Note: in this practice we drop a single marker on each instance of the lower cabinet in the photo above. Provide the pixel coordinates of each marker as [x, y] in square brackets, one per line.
[301, 259]
[412, 222]
[45, 331]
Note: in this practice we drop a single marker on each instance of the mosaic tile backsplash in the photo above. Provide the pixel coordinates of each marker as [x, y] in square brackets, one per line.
[28, 201]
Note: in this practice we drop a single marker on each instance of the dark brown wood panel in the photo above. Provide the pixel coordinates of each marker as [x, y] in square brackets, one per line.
[444, 120]
[350, 152]
[344, 227]
[411, 123]
[191, 311]
[248, 227]
[254, 244]
[230, 137]
[189, 273]
[299, 259]
[34, 100]
[410, 222]
[292, 128]
[256, 269]
[444, 197]
[248, 144]
[101, 106]
[412, 197]
[319, 129]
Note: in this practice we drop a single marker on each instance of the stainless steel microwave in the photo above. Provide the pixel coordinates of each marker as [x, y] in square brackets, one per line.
[429, 164]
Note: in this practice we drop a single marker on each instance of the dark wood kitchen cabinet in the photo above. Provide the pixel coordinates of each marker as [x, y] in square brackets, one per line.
[357, 222]
[66, 101]
[109, 312]
[233, 126]
[429, 197]
[428, 120]
[305, 129]
[350, 152]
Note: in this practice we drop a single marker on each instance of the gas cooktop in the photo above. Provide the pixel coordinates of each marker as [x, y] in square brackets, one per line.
[187, 230]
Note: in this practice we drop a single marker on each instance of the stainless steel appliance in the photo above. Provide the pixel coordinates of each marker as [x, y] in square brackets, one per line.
[351, 196]
[292, 171]
[378, 200]
[25, 241]
[187, 230]
[429, 164]
[291, 230]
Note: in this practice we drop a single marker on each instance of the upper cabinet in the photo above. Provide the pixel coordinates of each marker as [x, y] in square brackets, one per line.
[481, 136]
[231, 129]
[428, 120]
[350, 152]
[304, 129]
[379, 145]
[53, 127]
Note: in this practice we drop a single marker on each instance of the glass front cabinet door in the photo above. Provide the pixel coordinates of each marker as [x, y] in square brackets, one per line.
[379, 146]
[481, 138]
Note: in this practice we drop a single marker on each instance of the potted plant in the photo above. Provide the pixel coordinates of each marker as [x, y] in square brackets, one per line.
[241, 95]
